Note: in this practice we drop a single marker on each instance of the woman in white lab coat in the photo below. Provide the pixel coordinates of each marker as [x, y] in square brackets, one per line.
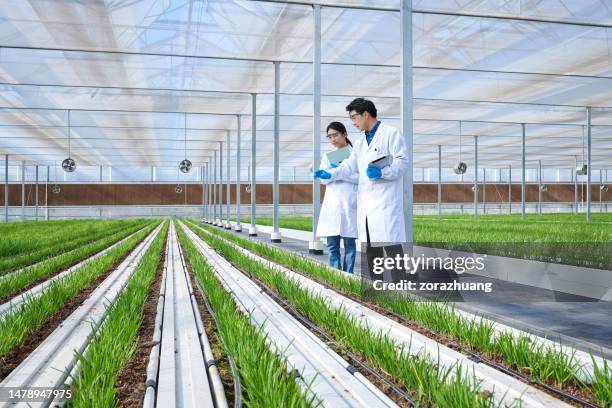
[337, 219]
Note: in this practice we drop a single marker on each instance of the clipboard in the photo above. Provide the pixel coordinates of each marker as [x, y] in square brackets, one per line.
[337, 156]
[381, 162]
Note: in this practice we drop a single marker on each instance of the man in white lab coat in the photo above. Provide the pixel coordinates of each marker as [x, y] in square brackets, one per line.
[380, 159]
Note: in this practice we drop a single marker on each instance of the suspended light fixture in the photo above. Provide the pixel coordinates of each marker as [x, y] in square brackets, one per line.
[68, 164]
[178, 189]
[185, 165]
[603, 188]
[461, 167]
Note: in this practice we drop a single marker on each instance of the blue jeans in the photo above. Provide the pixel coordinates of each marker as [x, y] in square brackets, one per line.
[350, 251]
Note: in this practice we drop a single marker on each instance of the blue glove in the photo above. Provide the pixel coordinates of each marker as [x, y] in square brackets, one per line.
[373, 173]
[333, 165]
[322, 174]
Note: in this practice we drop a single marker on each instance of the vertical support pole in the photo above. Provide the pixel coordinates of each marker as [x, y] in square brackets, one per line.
[540, 187]
[100, 178]
[484, 190]
[238, 184]
[475, 186]
[228, 196]
[276, 236]
[315, 246]
[600, 185]
[575, 177]
[214, 188]
[589, 162]
[220, 219]
[6, 188]
[406, 111]
[439, 180]
[523, 173]
[23, 191]
[202, 177]
[36, 195]
[509, 189]
[253, 227]
[47, 194]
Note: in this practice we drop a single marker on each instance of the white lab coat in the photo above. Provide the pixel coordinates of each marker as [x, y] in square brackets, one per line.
[338, 214]
[380, 200]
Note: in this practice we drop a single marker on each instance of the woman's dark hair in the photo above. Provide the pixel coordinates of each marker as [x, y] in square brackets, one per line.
[361, 105]
[339, 127]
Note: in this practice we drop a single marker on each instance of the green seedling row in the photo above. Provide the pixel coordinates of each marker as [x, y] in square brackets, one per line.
[16, 325]
[429, 383]
[519, 353]
[25, 237]
[264, 375]
[71, 239]
[13, 284]
[115, 343]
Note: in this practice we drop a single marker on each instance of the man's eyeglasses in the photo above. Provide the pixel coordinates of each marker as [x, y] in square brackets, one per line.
[333, 135]
[354, 115]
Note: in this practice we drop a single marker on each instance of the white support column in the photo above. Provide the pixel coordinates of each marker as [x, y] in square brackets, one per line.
[439, 180]
[406, 110]
[600, 184]
[23, 191]
[203, 189]
[540, 187]
[484, 190]
[214, 189]
[253, 227]
[228, 196]
[523, 173]
[276, 235]
[509, 189]
[47, 194]
[475, 185]
[36, 195]
[100, 174]
[238, 184]
[219, 221]
[589, 163]
[6, 188]
[315, 246]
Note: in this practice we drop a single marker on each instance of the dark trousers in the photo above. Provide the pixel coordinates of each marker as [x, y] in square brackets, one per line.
[389, 251]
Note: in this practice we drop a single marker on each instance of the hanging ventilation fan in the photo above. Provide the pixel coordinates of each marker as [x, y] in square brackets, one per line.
[582, 170]
[178, 189]
[185, 165]
[248, 188]
[543, 188]
[475, 188]
[461, 167]
[56, 189]
[603, 188]
[68, 164]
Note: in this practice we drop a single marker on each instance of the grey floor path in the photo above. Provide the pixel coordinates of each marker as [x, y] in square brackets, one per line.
[586, 325]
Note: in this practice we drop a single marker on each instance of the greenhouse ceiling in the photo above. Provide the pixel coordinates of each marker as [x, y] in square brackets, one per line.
[131, 80]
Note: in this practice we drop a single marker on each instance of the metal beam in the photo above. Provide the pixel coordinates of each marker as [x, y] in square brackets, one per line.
[589, 164]
[313, 246]
[523, 174]
[214, 188]
[439, 180]
[36, 195]
[509, 189]
[484, 190]
[238, 184]
[475, 185]
[228, 225]
[6, 187]
[253, 227]
[406, 79]
[276, 236]
[540, 187]
[220, 219]
[23, 191]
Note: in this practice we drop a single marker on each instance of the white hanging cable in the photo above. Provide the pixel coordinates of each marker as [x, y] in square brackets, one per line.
[185, 133]
[69, 133]
[460, 140]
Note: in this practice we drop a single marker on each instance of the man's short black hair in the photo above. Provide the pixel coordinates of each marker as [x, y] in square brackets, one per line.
[361, 105]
